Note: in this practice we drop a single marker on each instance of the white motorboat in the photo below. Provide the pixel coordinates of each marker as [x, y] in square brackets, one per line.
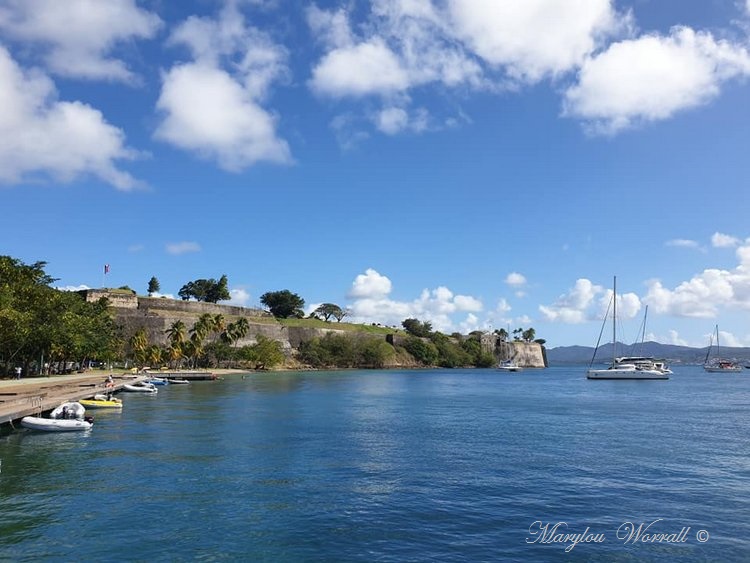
[69, 411]
[140, 387]
[623, 370]
[56, 424]
[509, 365]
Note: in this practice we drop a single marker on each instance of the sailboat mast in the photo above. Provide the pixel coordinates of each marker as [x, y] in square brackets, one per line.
[718, 348]
[614, 320]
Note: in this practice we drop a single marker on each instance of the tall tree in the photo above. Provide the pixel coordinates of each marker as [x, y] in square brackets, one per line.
[329, 310]
[417, 328]
[153, 286]
[208, 290]
[283, 304]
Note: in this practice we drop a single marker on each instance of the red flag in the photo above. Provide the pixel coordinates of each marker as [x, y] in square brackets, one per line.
[106, 268]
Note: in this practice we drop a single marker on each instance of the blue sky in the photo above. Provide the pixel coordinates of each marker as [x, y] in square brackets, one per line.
[475, 163]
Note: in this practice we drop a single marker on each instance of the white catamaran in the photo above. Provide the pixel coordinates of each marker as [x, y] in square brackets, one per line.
[620, 369]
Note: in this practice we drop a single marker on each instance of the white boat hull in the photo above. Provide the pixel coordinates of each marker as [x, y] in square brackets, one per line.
[625, 373]
[148, 388]
[54, 425]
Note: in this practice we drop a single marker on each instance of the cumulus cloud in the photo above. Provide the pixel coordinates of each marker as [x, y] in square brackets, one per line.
[719, 240]
[371, 303]
[535, 38]
[587, 301]
[571, 307]
[77, 36]
[366, 68]
[36, 129]
[238, 297]
[178, 248]
[705, 294]
[514, 279]
[211, 106]
[652, 77]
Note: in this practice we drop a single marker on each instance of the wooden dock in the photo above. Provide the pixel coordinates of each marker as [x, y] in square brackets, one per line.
[189, 375]
[37, 395]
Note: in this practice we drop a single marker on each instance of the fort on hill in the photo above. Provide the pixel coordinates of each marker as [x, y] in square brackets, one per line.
[155, 315]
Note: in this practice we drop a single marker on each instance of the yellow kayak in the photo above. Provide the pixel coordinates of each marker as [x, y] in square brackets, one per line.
[101, 402]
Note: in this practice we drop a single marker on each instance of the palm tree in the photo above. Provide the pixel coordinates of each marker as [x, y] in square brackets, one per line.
[139, 344]
[175, 354]
[219, 324]
[176, 333]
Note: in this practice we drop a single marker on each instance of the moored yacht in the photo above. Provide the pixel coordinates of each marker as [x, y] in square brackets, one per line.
[620, 368]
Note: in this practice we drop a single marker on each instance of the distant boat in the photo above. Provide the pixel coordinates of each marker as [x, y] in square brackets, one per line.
[509, 365]
[621, 369]
[717, 364]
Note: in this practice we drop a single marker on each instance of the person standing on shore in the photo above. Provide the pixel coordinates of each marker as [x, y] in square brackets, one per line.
[18, 372]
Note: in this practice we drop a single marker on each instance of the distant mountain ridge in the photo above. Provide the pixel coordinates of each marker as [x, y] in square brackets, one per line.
[670, 352]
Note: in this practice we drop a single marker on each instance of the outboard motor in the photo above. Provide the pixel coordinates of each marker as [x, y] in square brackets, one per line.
[89, 419]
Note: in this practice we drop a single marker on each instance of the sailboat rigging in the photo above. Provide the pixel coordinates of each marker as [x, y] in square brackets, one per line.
[718, 365]
[620, 368]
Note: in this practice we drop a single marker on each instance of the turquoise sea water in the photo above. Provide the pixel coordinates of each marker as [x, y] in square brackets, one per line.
[445, 465]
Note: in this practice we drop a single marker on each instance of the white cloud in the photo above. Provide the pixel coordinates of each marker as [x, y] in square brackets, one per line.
[238, 297]
[535, 38]
[159, 295]
[393, 120]
[719, 240]
[467, 303]
[371, 303]
[178, 248]
[652, 77]
[370, 285]
[36, 129]
[683, 243]
[73, 288]
[580, 304]
[78, 35]
[706, 294]
[215, 112]
[503, 307]
[514, 279]
[359, 70]
[332, 28]
[702, 296]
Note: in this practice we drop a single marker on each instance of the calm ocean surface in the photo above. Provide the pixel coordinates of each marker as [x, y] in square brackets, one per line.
[445, 465]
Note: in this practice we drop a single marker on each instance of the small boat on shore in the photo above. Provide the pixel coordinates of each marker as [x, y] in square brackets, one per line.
[102, 402]
[140, 387]
[56, 424]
